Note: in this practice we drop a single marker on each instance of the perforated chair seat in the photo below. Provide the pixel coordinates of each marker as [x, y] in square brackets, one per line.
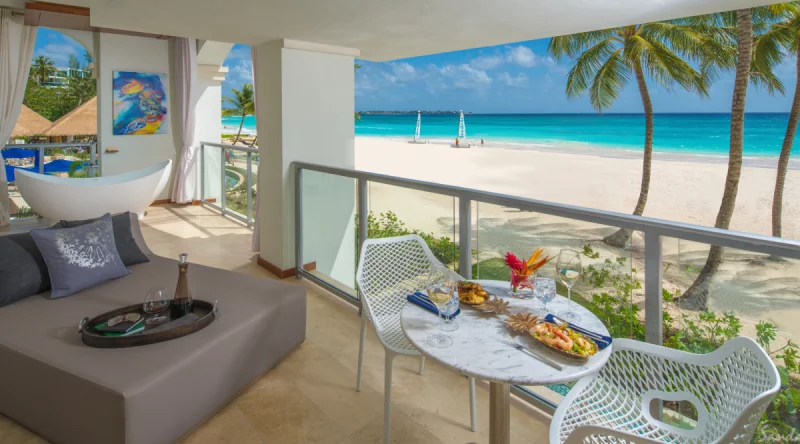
[730, 389]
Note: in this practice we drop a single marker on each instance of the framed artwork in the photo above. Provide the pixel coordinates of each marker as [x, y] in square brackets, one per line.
[140, 103]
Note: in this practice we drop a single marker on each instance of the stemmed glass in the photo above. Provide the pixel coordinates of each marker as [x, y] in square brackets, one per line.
[569, 269]
[440, 291]
[544, 290]
[155, 303]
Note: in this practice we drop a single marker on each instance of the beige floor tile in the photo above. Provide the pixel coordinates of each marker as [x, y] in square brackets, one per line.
[13, 433]
[284, 415]
[228, 426]
[403, 431]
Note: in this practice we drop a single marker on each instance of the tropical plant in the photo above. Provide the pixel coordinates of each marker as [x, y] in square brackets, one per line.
[242, 103]
[42, 68]
[752, 63]
[73, 62]
[605, 61]
[782, 37]
[357, 115]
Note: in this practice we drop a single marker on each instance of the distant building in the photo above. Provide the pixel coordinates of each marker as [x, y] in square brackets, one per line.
[62, 76]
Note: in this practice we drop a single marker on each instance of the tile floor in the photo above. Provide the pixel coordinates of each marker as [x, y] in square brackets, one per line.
[310, 397]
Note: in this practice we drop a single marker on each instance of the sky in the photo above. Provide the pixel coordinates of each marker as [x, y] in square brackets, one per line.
[514, 78]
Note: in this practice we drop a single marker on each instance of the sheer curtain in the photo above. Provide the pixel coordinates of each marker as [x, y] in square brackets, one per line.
[256, 242]
[16, 54]
[185, 184]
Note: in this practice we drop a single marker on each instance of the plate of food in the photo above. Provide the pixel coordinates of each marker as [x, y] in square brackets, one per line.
[472, 293]
[564, 340]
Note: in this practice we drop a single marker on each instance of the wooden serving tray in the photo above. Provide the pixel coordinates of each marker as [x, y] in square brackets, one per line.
[206, 312]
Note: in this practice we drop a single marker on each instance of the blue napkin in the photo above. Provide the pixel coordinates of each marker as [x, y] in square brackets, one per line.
[425, 302]
[601, 344]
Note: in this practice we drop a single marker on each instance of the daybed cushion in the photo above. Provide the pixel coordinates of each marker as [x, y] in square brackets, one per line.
[67, 392]
[23, 272]
[124, 239]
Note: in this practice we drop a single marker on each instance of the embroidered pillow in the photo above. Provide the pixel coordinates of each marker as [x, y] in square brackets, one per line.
[128, 251]
[80, 257]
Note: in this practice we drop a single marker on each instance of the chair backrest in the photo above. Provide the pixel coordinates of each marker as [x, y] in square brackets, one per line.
[390, 269]
[730, 387]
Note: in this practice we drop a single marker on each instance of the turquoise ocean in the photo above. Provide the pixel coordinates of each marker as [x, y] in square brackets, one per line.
[673, 133]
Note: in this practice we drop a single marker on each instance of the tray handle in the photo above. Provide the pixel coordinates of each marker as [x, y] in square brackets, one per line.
[82, 324]
[214, 308]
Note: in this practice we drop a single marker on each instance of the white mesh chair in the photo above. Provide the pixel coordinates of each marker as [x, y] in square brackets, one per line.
[730, 388]
[389, 270]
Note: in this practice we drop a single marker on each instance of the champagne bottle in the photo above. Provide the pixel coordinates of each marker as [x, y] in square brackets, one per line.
[182, 303]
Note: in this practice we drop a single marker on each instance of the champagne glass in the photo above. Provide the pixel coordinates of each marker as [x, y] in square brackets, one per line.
[440, 290]
[569, 269]
[155, 303]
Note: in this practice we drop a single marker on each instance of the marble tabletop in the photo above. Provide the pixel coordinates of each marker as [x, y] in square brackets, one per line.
[480, 345]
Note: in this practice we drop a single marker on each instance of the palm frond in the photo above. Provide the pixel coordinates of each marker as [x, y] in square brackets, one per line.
[572, 45]
[609, 81]
[586, 66]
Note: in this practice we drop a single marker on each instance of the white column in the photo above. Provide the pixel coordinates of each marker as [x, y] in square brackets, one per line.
[209, 126]
[305, 113]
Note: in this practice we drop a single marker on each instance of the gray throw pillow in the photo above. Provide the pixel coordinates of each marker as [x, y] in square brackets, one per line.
[23, 272]
[128, 250]
[80, 257]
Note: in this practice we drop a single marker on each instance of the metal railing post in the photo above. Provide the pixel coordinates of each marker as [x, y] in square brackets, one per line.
[222, 180]
[41, 159]
[202, 173]
[94, 166]
[298, 221]
[249, 188]
[363, 223]
[653, 298]
[465, 237]
[653, 303]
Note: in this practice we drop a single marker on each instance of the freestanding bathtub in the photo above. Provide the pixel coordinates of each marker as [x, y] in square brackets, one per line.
[61, 198]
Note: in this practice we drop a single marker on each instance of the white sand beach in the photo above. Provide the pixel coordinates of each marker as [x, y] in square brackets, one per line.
[683, 188]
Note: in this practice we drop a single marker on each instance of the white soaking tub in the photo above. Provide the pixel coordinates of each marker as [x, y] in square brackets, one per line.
[58, 198]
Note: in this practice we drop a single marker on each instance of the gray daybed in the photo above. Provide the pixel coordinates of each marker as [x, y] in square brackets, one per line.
[53, 384]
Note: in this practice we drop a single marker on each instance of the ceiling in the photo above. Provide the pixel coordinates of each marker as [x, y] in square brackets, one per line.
[387, 29]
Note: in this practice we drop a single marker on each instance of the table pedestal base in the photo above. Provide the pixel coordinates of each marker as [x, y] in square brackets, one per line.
[499, 413]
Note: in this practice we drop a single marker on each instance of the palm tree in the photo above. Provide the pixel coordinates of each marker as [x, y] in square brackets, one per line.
[754, 63]
[241, 104]
[42, 68]
[606, 60]
[783, 35]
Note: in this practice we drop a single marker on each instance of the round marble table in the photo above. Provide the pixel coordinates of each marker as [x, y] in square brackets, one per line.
[481, 349]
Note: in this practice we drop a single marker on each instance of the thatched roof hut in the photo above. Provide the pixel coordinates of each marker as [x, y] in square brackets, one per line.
[30, 124]
[81, 121]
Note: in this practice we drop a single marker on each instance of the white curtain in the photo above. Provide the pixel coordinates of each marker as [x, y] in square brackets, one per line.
[185, 184]
[256, 242]
[16, 54]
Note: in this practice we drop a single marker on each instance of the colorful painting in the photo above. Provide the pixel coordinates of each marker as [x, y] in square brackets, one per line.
[140, 103]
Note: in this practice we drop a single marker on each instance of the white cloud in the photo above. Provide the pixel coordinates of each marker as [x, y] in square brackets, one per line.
[521, 55]
[403, 71]
[519, 80]
[242, 71]
[487, 62]
[465, 76]
[59, 53]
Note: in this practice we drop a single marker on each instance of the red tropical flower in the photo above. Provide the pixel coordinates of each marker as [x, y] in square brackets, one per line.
[513, 262]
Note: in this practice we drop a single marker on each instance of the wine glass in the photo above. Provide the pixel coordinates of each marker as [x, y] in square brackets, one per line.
[544, 290]
[156, 302]
[569, 269]
[440, 290]
[449, 322]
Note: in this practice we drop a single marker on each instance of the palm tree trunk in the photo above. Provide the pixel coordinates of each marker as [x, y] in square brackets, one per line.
[696, 297]
[241, 124]
[786, 151]
[621, 237]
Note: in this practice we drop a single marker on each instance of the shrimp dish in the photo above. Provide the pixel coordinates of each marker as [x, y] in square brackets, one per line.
[564, 340]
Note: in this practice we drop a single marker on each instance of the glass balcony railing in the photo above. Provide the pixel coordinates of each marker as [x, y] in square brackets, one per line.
[228, 179]
[633, 289]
